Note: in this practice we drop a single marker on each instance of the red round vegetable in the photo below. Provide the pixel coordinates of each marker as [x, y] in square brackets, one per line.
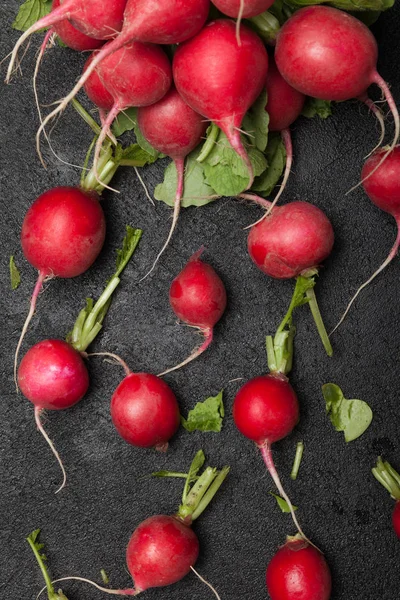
[73, 37]
[396, 518]
[248, 8]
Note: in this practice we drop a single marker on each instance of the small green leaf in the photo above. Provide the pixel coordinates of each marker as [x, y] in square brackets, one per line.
[314, 107]
[256, 121]
[276, 157]
[125, 121]
[196, 191]
[30, 12]
[283, 505]
[206, 416]
[14, 274]
[352, 417]
[104, 577]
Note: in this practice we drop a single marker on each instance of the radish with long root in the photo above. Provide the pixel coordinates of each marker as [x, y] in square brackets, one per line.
[298, 571]
[292, 242]
[94, 18]
[326, 53]
[163, 549]
[52, 374]
[135, 75]
[198, 297]
[390, 479]
[174, 129]
[220, 79]
[381, 182]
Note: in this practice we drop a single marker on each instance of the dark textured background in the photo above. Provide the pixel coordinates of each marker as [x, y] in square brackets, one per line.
[87, 526]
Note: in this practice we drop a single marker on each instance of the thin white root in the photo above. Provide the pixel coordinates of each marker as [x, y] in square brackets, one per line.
[127, 592]
[39, 425]
[238, 22]
[117, 358]
[146, 191]
[207, 583]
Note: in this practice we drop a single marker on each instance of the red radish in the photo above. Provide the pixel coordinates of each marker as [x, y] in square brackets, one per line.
[174, 129]
[381, 182]
[198, 297]
[73, 37]
[135, 75]
[52, 374]
[298, 571]
[244, 8]
[62, 235]
[156, 22]
[220, 79]
[390, 479]
[163, 549]
[95, 19]
[326, 53]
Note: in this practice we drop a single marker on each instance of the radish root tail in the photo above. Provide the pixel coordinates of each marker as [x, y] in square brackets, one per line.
[380, 118]
[208, 337]
[239, 21]
[115, 357]
[127, 592]
[39, 425]
[207, 583]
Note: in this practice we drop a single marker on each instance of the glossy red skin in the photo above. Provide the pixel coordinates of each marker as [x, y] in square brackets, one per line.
[383, 186]
[298, 571]
[396, 518]
[284, 103]
[266, 409]
[164, 21]
[144, 410]
[96, 18]
[96, 90]
[326, 53]
[53, 375]
[197, 295]
[171, 126]
[135, 75]
[72, 37]
[63, 231]
[218, 78]
[295, 237]
[252, 8]
[160, 552]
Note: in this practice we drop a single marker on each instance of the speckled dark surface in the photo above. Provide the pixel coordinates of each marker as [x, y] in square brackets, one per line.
[86, 527]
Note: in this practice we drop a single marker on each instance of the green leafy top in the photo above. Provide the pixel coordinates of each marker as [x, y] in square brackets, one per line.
[206, 416]
[29, 12]
[33, 541]
[352, 417]
[15, 276]
[314, 107]
[90, 319]
[349, 5]
[388, 477]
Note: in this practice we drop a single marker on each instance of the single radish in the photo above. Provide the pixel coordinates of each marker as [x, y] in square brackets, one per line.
[156, 22]
[326, 53]
[220, 79]
[390, 479]
[135, 75]
[94, 18]
[242, 8]
[381, 182]
[292, 242]
[73, 37]
[163, 548]
[298, 571]
[198, 297]
[174, 129]
[62, 235]
[52, 374]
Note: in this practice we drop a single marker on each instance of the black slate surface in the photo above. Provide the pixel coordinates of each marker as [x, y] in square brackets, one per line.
[87, 526]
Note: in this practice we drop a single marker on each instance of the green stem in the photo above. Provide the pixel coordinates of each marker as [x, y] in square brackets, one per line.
[50, 589]
[197, 492]
[267, 26]
[86, 163]
[297, 460]
[209, 143]
[388, 477]
[312, 301]
[95, 127]
[209, 495]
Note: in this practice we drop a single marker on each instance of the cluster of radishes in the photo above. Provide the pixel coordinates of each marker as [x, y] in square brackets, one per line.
[219, 68]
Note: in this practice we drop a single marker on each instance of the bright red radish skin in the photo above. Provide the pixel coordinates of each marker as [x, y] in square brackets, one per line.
[396, 518]
[198, 297]
[72, 37]
[160, 552]
[174, 129]
[145, 411]
[251, 8]
[220, 79]
[298, 571]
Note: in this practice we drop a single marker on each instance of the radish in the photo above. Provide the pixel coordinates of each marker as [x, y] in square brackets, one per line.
[163, 548]
[198, 297]
[174, 129]
[242, 8]
[220, 79]
[135, 75]
[290, 242]
[298, 571]
[390, 479]
[62, 235]
[52, 374]
[95, 19]
[73, 37]
[381, 183]
[328, 54]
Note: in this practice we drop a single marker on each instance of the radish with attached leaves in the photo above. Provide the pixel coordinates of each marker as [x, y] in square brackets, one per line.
[390, 479]
[52, 374]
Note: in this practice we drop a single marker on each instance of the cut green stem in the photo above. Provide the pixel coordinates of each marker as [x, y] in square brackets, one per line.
[297, 460]
[388, 477]
[312, 301]
[209, 143]
[36, 547]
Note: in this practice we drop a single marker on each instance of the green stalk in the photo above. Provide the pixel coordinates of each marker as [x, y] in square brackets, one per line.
[95, 127]
[297, 460]
[209, 143]
[267, 26]
[36, 547]
[209, 495]
[312, 301]
[388, 477]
